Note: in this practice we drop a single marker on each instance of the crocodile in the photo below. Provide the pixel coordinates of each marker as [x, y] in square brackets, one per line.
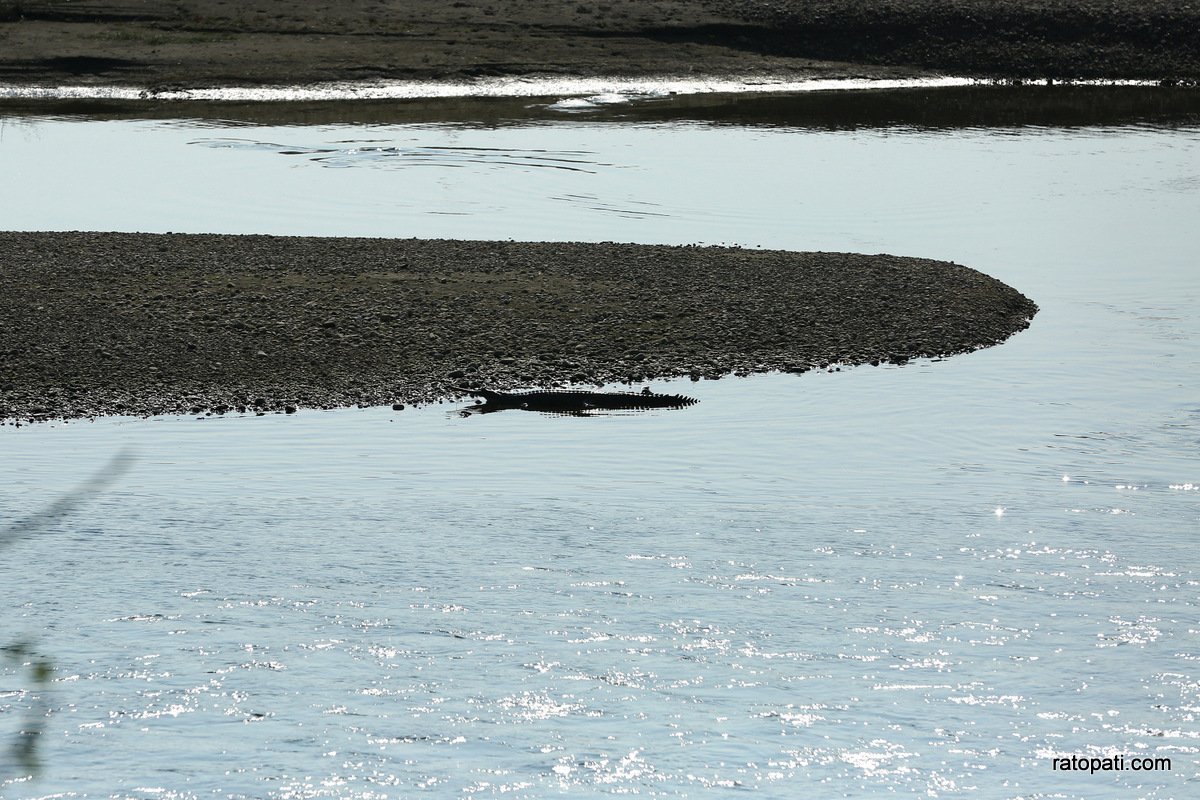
[575, 403]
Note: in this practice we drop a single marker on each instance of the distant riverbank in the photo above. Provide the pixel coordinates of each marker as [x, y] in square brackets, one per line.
[207, 43]
[121, 323]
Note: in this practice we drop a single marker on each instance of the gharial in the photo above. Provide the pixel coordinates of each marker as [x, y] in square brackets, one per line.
[574, 402]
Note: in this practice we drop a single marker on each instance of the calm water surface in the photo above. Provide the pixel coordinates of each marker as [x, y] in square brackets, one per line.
[927, 580]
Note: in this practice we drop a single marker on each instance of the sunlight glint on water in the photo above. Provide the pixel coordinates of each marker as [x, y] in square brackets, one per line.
[930, 579]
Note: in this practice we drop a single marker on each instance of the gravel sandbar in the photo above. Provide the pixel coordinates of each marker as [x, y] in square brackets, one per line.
[140, 324]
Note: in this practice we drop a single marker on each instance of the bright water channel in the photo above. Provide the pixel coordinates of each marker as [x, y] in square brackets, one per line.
[927, 580]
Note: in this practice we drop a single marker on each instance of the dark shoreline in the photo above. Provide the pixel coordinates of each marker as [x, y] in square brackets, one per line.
[143, 324]
[211, 43]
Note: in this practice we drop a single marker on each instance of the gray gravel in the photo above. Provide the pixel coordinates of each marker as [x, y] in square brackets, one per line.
[117, 323]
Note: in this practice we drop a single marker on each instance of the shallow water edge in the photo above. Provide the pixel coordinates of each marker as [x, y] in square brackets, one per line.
[609, 89]
[523, 86]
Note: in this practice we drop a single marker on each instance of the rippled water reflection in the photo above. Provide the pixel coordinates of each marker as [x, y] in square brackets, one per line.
[926, 579]
[370, 153]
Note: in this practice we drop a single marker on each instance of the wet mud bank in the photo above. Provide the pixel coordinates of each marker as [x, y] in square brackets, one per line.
[140, 324]
[1156, 40]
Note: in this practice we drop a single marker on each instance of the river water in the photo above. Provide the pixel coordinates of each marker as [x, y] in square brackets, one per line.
[931, 580]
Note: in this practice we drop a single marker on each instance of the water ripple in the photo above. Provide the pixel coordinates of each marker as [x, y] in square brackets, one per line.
[369, 153]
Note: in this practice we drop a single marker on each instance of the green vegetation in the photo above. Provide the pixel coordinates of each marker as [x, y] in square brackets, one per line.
[39, 669]
[32, 666]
